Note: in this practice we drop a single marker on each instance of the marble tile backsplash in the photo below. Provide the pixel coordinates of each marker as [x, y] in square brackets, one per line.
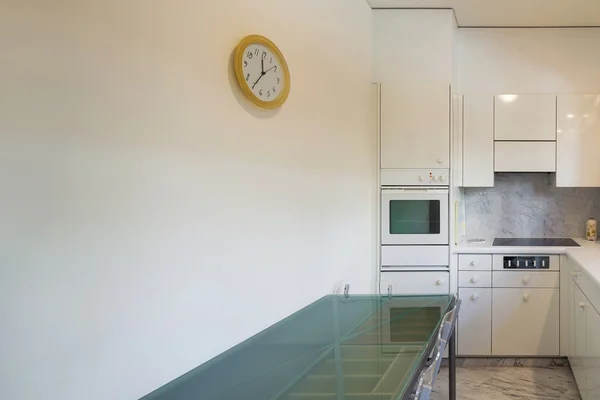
[529, 205]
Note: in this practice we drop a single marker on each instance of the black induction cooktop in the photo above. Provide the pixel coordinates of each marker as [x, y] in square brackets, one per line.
[558, 242]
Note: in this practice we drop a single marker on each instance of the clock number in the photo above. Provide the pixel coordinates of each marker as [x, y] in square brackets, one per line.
[274, 89]
[247, 77]
[260, 92]
[245, 63]
[275, 68]
[249, 55]
[256, 51]
[269, 93]
[278, 80]
[271, 62]
[264, 54]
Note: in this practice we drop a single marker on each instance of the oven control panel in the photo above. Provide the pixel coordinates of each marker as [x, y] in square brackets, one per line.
[526, 262]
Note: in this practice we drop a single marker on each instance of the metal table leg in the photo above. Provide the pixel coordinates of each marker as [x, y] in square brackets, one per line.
[452, 365]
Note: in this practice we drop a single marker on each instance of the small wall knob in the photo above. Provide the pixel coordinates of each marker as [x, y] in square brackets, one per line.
[474, 297]
[525, 297]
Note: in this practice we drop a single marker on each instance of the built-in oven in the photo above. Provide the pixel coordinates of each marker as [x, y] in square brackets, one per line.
[414, 215]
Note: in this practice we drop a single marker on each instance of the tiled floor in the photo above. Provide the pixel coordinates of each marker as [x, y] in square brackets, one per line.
[509, 383]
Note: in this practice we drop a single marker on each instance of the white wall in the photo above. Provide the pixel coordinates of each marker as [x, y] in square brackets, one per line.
[151, 217]
[529, 60]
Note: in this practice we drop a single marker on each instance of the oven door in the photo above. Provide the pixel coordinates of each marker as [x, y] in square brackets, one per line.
[407, 323]
[414, 215]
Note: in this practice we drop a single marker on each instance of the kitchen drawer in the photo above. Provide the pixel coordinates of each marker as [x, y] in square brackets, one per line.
[415, 256]
[430, 282]
[474, 261]
[474, 279]
[524, 279]
[525, 156]
[589, 288]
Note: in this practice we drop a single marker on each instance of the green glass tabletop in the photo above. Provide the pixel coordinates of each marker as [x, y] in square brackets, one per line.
[360, 347]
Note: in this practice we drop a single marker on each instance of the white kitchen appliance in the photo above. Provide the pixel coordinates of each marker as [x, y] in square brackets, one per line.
[414, 215]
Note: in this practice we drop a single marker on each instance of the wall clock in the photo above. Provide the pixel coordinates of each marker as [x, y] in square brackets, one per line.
[262, 72]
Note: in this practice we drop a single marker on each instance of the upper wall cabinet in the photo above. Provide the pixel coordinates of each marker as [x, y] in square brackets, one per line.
[578, 140]
[478, 141]
[413, 57]
[525, 117]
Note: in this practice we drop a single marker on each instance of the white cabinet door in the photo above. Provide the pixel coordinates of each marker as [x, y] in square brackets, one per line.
[592, 360]
[524, 156]
[525, 117]
[577, 361]
[478, 141]
[578, 140]
[413, 60]
[415, 127]
[525, 322]
[475, 322]
[431, 282]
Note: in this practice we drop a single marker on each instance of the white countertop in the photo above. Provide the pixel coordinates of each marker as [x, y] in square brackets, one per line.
[487, 248]
[588, 258]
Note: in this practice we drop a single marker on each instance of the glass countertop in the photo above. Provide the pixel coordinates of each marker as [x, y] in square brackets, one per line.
[360, 347]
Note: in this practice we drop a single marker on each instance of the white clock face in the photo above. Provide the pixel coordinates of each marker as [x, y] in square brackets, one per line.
[263, 72]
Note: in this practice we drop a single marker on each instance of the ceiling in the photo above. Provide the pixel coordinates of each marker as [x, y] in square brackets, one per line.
[510, 13]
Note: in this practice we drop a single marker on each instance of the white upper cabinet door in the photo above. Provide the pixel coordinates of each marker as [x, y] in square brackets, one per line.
[578, 141]
[478, 141]
[413, 59]
[525, 117]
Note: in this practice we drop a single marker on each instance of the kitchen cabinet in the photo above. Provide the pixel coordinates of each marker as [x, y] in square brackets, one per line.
[478, 141]
[592, 359]
[578, 141]
[525, 322]
[474, 334]
[415, 282]
[413, 61]
[524, 156]
[530, 117]
[580, 340]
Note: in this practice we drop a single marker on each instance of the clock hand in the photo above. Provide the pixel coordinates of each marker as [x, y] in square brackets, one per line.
[261, 75]
[262, 65]
[270, 69]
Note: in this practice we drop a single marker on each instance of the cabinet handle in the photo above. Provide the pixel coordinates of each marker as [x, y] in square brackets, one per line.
[439, 161]
[473, 263]
[439, 282]
[474, 279]
[474, 297]
[526, 280]
[575, 275]
[525, 297]
[582, 305]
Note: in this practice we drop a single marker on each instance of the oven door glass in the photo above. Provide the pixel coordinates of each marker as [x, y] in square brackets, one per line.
[412, 324]
[414, 217]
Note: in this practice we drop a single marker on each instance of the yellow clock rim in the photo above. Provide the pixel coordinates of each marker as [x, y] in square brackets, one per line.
[239, 73]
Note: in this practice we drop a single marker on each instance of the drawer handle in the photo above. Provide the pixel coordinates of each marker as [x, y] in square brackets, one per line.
[474, 297]
[473, 263]
[439, 282]
[526, 280]
[439, 161]
[525, 297]
[474, 279]
[582, 305]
